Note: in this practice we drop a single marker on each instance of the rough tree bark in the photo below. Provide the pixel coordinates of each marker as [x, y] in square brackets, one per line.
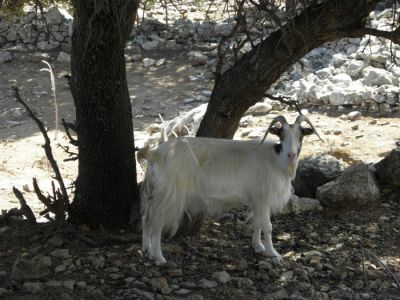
[246, 82]
[106, 185]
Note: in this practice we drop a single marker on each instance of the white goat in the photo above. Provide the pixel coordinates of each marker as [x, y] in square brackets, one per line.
[205, 175]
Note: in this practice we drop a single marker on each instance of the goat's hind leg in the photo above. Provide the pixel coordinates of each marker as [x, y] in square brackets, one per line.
[256, 239]
[146, 236]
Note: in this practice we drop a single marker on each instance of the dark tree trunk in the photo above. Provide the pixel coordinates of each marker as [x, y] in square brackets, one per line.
[245, 83]
[106, 185]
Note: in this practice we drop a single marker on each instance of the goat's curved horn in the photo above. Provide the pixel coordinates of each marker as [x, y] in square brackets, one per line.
[303, 118]
[280, 119]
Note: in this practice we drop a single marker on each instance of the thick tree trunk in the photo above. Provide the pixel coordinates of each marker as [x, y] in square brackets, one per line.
[106, 185]
[245, 83]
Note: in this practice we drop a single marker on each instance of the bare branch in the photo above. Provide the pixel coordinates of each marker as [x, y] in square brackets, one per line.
[46, 146]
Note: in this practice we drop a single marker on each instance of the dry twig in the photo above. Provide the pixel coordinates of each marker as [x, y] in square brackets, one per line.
[25, 209]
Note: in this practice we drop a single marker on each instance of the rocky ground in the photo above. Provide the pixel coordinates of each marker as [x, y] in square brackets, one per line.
[327, 254]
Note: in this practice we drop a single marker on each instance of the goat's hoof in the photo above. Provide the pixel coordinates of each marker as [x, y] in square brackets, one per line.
[260, 249]
[160, 261]
[277, 260]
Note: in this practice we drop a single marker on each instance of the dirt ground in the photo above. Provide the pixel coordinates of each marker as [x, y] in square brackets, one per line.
[322, 250]
[155, 90]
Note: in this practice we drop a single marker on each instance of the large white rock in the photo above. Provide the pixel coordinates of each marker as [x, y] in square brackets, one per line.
[356, 187]
[355, 67]
[377, 77]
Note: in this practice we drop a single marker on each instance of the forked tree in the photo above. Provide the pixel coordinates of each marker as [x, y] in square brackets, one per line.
[246, 82]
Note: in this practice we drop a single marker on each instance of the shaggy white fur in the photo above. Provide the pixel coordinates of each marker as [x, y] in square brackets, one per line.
[204, 175]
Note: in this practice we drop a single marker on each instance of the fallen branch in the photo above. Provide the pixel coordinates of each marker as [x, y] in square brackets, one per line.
[388, 271]
[25, 209]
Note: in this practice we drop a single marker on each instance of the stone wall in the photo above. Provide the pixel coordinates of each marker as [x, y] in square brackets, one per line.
[357, 73]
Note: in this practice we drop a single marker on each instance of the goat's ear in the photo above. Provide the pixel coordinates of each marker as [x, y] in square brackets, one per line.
[275, 131]
[306, 131]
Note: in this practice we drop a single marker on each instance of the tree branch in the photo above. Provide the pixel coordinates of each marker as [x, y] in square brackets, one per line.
[394, 36]
[285, 100]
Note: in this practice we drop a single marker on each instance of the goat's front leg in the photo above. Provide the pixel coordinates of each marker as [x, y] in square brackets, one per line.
[155, 248]
[269, 248]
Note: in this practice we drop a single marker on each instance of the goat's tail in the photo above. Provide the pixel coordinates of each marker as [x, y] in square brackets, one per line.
[143, 155]
[168, 187]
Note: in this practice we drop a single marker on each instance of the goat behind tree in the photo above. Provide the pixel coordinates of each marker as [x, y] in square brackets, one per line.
[205, 175]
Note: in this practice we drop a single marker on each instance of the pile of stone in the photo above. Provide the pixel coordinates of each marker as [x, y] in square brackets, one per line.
[350, 72]
[347, 73]
[36, 32]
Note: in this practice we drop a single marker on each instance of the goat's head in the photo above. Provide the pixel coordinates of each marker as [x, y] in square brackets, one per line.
[291, 137]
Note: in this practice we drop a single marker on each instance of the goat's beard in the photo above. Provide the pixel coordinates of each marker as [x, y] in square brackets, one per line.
[292, 168]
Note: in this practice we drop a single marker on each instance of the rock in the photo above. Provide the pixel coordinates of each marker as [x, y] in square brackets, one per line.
[53, 283]
[64, 57]
[354, 115]
[55, 241]
[47, 46]
[32, 287]
[54, 16]
[38, 57]
[3, 291]
[159, 284]
[298, 205]
[315, 171]
[150, 45]
[388, 169]
[242, 265]
[69, 284]
[148, 62]
[357, 186]
[197, 58]
[160, 62]
[195, 297]
[221, 277]
[259, 109]
[207, 284]
[281, 294]
[61, 253]
[5, 56]
[175, 272]
[65, 296]
[355, 67]
[377, 77]
[60, 268]
[35, 268]
[183, 292]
